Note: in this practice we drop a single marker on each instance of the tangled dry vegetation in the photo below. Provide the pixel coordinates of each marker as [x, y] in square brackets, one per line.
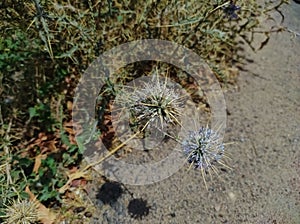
[46, 46]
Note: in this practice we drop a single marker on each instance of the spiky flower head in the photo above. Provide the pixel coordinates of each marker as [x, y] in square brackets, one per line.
[21, 212]
[156, 100]
[203, 148]
[152, 101]
[230, 10]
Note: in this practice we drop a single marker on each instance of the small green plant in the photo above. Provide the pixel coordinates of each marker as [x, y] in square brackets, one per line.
[42, 113]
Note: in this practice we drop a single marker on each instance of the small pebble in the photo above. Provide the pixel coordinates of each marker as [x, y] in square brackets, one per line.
[88, 214]
[232, 196]
[79, 209]
[217, 207]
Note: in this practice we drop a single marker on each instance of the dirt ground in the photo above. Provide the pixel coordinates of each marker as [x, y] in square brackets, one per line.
[264, 124]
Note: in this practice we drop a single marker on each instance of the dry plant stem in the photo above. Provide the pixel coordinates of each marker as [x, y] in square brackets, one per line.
[8, 165]
[115, 149]
[6, 150]
[81, 173]
[110, 153]
[198, 20]
[295, 34]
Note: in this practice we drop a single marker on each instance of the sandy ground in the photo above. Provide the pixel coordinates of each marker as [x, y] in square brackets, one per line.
[264, 123]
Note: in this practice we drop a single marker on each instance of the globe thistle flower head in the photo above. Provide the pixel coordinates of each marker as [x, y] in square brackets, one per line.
[156, 100]
[230, 10]
[21, 212]
[203, 148]
[149, 107]
[152, 100]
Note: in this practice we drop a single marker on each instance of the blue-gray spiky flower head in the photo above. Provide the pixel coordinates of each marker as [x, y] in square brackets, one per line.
[230, 10]
[203, 148]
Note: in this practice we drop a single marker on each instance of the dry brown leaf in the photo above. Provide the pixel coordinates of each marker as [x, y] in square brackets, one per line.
[69, 105]
[79, 183]
[73, 176]
[42, 136]
[44, 214]
[72, 140]
[50, 146]
[69, 130]
[38, 162]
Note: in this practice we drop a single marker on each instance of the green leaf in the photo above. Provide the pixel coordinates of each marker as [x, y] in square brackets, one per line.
[41, 172]
[32, 112]
[25, 162]
[73, 148]
[120, 18]
[65, 139]
[47, 194]
[50, 164]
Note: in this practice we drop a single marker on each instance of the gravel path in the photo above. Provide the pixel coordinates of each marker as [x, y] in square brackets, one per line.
[264, 123]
